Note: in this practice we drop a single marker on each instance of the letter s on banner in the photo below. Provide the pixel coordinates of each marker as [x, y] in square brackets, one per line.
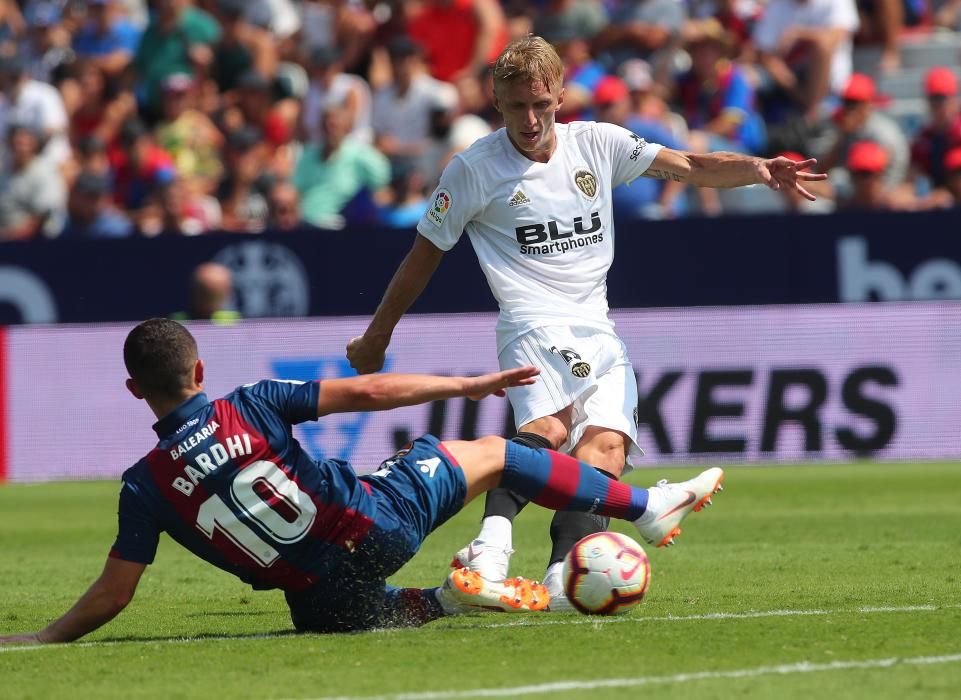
[29, 294]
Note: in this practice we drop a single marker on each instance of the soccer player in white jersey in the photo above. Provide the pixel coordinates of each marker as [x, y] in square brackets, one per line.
[535, 199]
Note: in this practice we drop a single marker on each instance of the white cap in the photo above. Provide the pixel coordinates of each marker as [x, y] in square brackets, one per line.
[636, 73]
[444, 98]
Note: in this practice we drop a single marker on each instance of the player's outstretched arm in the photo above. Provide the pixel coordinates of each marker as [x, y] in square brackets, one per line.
[724, 169]
[385, 391]
[366, 352]
[102, 602]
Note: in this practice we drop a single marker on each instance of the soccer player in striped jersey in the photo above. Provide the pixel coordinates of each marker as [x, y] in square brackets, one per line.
[535, 198]
[229, 482]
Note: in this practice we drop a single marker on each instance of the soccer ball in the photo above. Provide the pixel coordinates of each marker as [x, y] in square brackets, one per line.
[606, 573]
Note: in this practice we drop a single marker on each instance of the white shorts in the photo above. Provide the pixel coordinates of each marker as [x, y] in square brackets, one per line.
[581, 367]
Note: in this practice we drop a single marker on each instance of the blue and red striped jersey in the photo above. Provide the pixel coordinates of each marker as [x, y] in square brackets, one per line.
[229, 482]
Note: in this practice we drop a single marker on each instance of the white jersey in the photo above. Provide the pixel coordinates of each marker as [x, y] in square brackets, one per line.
[781, 15]
[543, 232]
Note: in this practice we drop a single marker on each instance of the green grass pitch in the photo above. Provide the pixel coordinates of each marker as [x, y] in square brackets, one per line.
[838, 581]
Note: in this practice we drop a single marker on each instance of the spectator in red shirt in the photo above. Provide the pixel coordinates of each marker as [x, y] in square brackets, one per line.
[140, 166]
[94, 107]
[460, 37]
[943, 131]
[254, 105]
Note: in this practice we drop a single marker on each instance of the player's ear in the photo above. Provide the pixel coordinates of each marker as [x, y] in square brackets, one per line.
[199, 373]
[560, 98]
[134, 389]
[494, 100]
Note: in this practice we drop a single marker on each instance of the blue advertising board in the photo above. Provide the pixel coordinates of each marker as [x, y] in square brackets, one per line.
[689, 262]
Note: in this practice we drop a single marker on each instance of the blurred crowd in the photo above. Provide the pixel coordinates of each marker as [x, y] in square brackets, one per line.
[142, 117]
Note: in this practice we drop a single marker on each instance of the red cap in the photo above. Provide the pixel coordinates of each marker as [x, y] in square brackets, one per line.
[867, 156]
[792, 155]
[276, 131]
[609, 89]
[952, 160]
[941, 81]
[860, 88]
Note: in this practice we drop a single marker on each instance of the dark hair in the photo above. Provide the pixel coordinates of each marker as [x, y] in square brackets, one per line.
[160, 355]
[403, 46]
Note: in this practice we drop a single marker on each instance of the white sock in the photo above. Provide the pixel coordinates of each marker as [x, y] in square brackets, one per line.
[553, 573]
[655, 504]
[496, 530]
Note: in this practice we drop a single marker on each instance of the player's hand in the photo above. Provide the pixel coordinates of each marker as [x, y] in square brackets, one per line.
[30, 638]
[366, 354]
[487, 384]
[784, 173]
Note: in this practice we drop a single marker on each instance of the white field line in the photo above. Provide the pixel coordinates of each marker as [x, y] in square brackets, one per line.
[561, 686]
[532, 620]
[529, 621]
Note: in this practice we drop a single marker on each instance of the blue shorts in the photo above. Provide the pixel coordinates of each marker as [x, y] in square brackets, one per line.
[416, 491]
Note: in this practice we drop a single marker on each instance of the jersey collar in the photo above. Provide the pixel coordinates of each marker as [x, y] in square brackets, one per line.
[173, 421]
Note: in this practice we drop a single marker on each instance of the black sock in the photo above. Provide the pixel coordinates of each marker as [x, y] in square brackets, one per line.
[504, 502]
[568, 527]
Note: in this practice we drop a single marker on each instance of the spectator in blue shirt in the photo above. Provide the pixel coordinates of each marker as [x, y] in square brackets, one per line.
[581, 72]
[644, 198]
[109, 40]
[716, 97]
[90, 214]
[46, 47]
[406, 197]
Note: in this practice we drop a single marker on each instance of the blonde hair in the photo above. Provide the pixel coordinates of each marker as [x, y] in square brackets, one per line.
[529, 58]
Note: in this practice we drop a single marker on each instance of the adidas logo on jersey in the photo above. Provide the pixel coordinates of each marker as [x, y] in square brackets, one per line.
[518, 198]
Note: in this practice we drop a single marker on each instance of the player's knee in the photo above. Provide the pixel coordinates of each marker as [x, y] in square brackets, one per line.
[606, 451]
[492, 443]
[487, 454]
[532, 440]
[552, 431]
[612, 459]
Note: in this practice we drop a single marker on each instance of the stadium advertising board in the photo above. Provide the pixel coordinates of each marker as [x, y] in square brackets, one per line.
[746, 384]
[849, 257]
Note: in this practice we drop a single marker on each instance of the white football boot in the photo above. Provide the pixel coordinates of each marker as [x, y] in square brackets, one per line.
[668, 504]
[554, 583]
[490, 561]
[469, 591]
